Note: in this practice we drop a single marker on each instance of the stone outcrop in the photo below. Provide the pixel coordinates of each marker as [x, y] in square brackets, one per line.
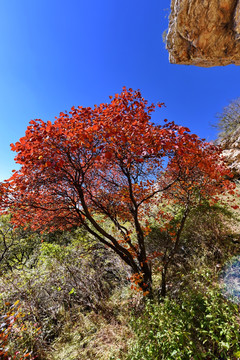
[204, 32]
[231, 151]
[229, 135]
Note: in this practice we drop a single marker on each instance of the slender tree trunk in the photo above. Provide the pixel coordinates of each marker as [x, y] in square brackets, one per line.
[163, 290]
[168, 258]
[146, 283]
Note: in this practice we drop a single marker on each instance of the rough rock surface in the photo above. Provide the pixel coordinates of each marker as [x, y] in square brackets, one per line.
[231, 151]
[204, 32]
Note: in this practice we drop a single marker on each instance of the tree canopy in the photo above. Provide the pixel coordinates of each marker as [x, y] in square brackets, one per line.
[111, 163]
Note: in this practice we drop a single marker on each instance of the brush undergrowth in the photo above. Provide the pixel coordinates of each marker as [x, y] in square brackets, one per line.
[78, 299]
[199, 324]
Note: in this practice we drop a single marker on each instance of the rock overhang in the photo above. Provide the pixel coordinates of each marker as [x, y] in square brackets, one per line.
[204, 32]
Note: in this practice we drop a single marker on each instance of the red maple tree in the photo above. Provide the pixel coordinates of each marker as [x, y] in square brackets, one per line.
[103, 168]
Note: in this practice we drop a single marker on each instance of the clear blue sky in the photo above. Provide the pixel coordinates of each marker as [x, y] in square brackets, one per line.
[57, 53]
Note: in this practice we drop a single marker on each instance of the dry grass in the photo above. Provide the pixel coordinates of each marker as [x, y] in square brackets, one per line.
[95, 336]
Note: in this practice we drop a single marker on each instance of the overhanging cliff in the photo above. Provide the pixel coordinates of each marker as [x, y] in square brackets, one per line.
[204, 32]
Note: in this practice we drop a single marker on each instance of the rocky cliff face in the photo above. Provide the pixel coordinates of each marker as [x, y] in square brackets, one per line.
[231, 151]
[204, 32]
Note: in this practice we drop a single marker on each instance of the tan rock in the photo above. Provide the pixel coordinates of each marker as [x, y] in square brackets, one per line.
[204, 32]
[231, 151]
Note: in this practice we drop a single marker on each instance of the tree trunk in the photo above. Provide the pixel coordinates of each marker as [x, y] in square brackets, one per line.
[163, 291]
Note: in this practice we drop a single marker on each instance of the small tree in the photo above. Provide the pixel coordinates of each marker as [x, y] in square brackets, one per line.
[229, 120]
[111, 163]
[229, 135]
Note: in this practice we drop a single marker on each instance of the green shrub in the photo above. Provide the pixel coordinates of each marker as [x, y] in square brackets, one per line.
[65, 280]
[18, 246]
[200, 325]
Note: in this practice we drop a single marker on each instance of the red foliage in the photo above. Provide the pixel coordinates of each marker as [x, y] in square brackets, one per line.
[110, 162]
[10, 329]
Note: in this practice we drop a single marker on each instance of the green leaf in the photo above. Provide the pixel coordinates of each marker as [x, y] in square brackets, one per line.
[72, 291]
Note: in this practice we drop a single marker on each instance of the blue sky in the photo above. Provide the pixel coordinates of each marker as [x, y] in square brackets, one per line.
[56, 54]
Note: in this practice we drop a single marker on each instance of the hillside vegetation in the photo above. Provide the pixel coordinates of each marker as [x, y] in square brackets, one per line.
[119, 240]
[75, 302]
